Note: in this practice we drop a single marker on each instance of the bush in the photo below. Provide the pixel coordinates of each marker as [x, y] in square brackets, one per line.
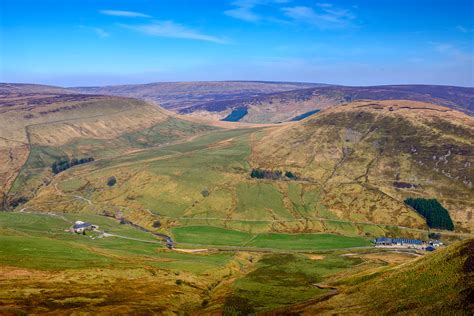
[111, 181]
[179, 282]
[156, 224]
[434, 235]
[235, 305]
[436, 215]
[205, 193]
[271, 174]
[65, 164]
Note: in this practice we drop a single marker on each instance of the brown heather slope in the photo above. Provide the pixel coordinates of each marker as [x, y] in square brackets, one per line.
[441, 283]
[368, 156]
[286, 105]
[180, 95]
[27, 89]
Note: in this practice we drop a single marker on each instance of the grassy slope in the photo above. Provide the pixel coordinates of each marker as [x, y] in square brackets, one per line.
[169, 181]
[440, 283]
[110, 275]
[45, 269]
[359, 151]
[280, 280]
[41, 128]
[345, 195]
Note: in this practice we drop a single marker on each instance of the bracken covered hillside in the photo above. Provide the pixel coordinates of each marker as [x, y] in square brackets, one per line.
[368, 154]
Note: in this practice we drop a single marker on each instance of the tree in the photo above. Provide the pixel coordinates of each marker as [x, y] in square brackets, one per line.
[64, 164]
[435, 214]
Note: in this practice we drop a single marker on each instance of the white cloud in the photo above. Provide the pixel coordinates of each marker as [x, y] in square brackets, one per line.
[128, 14]
[97, 30]
[325, 17]
[244, 10]
[173, 30]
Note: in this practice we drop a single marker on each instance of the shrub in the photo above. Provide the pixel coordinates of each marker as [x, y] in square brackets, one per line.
[65, 164]
[290, 175]
[111, 181]
[272, 174]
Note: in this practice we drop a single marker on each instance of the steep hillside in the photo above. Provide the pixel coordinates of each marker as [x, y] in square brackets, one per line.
[39, 128]
[180, 95]
[367, 155]
[284, 106]
[439, 283]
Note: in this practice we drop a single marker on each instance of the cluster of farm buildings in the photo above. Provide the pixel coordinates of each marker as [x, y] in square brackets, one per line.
[387, 242]
[80, 227]
[380, 242]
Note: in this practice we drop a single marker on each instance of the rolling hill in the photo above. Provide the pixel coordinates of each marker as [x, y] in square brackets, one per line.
[40, 125]
[273, 102]
[274, 218]
[354, 165]
[367, 154]
[288, 105]
[177, 96]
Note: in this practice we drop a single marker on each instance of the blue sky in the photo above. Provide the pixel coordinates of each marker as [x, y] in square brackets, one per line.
[353, 42]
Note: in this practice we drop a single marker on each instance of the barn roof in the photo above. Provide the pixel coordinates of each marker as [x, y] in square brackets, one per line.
[398, 241]
[82, 225]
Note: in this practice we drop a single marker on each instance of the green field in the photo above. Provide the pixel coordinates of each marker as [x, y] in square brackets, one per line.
[39, 241]
[279, 280]
[216, 236]
[307, 241]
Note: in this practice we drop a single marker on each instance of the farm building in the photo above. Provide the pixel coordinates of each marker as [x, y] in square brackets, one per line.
[80, 226]
[383, 241]
[386, 241]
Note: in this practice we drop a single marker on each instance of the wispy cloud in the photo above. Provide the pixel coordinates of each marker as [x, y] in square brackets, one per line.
[453, 52]
[325, 16]
[97, 30]
[128, 14]
[464, 29]
[244, 10]
[173, 30]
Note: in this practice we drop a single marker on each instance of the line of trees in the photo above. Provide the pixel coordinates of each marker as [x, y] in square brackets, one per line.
[65, 164]
[436, 215]
[272, 174]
